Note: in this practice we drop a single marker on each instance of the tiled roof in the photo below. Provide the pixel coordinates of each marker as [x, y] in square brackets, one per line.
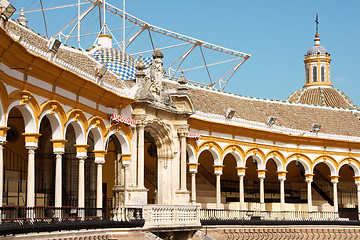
[289, 115]
[74, 57]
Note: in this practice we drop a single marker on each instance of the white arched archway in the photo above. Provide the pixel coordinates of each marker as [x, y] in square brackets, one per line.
[28, 115]
[98, 140]
[278, 162]
[303, 162]
[236, 155]
[353, 166]
[79, 131]
[331, 166]
[214, 153]
[191, 154]
[124, 143]
[259, 161]
[55, 122]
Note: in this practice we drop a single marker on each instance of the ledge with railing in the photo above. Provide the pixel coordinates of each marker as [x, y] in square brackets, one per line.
[17, 220]
[219, 216]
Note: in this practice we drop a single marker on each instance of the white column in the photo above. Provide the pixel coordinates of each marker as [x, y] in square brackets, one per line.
[58, 184]
[262, 193]
[58, 180]
[1, 173]
[336, 206]
[193, 187]
[81, 186]
[218, 191]
[309, 195]
[141, 165]
[183, 161]
[241, 192]
[99, 190]
[358, 197]
[30, 198]
[282, 193]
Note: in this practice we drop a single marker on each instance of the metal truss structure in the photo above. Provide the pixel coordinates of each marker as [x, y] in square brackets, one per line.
[203, 63]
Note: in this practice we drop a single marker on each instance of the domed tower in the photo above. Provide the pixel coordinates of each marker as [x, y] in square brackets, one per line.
[318, 89]
[317, 65]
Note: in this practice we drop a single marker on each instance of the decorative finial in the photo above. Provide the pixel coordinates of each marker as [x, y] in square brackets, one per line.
[22, 19]
[182, 79]
[140, 66]
[157, 54]
[317, 25]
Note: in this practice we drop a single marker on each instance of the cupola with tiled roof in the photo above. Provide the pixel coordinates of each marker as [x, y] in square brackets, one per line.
[318, 89]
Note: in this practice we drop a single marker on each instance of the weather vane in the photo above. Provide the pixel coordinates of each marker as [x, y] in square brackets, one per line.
[317, 23]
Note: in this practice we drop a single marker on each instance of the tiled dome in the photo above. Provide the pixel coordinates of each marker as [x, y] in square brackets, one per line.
[327, 96]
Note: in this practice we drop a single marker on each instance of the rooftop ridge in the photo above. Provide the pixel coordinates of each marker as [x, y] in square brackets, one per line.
[267, 100]
[275, 128]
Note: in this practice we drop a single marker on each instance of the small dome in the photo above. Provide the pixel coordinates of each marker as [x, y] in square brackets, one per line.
[158, 54]
[317, 50]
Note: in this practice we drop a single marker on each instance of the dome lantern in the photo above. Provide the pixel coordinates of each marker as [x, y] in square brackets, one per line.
[317, 63]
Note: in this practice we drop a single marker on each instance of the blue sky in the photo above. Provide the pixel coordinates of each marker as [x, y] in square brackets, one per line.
[276, 33]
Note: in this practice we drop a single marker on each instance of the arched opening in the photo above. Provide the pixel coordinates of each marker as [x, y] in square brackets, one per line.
[322, 72]
[151, 166]
[15, 161]
[347, 193]
[230, 181]
[45, 167]
[206, 181]
[307, 74]
[90, 173]
[314, 74]
[252, 184]
[295, 187]
[70, 169]
[322, 194]
[271, 183]
[113, 171]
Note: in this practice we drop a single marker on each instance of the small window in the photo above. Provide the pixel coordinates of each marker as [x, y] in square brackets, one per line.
[307, 74]
[314, 73]
[323, 73]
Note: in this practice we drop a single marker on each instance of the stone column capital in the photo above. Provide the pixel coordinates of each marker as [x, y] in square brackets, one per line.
[218, 169]
[31, 139]
[3, 131]
[193, 167]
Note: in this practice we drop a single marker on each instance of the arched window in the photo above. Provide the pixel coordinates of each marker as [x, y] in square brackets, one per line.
[314, 74]
[307, 74]
[323, 73]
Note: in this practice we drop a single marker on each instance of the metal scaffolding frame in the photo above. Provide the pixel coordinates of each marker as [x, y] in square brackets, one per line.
[230, 60]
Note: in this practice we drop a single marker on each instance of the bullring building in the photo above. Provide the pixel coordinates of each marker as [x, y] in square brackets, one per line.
[79, 142]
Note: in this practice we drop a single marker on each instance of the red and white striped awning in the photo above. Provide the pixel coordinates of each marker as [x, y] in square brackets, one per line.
[193, 135]
[117, 119]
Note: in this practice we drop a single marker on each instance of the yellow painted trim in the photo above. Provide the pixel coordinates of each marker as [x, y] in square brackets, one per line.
[125, 157]
[281, 173]
[98, 122]
[218, 167]
[54, 107]
[323, 159]
[31, 137]
[3, 131]
[125, 129]
[334, 177]
[77, 115]
[356, 178]
[81, 148]
[309, 175]
[99, 153]
[241, 169]
[58, 143]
